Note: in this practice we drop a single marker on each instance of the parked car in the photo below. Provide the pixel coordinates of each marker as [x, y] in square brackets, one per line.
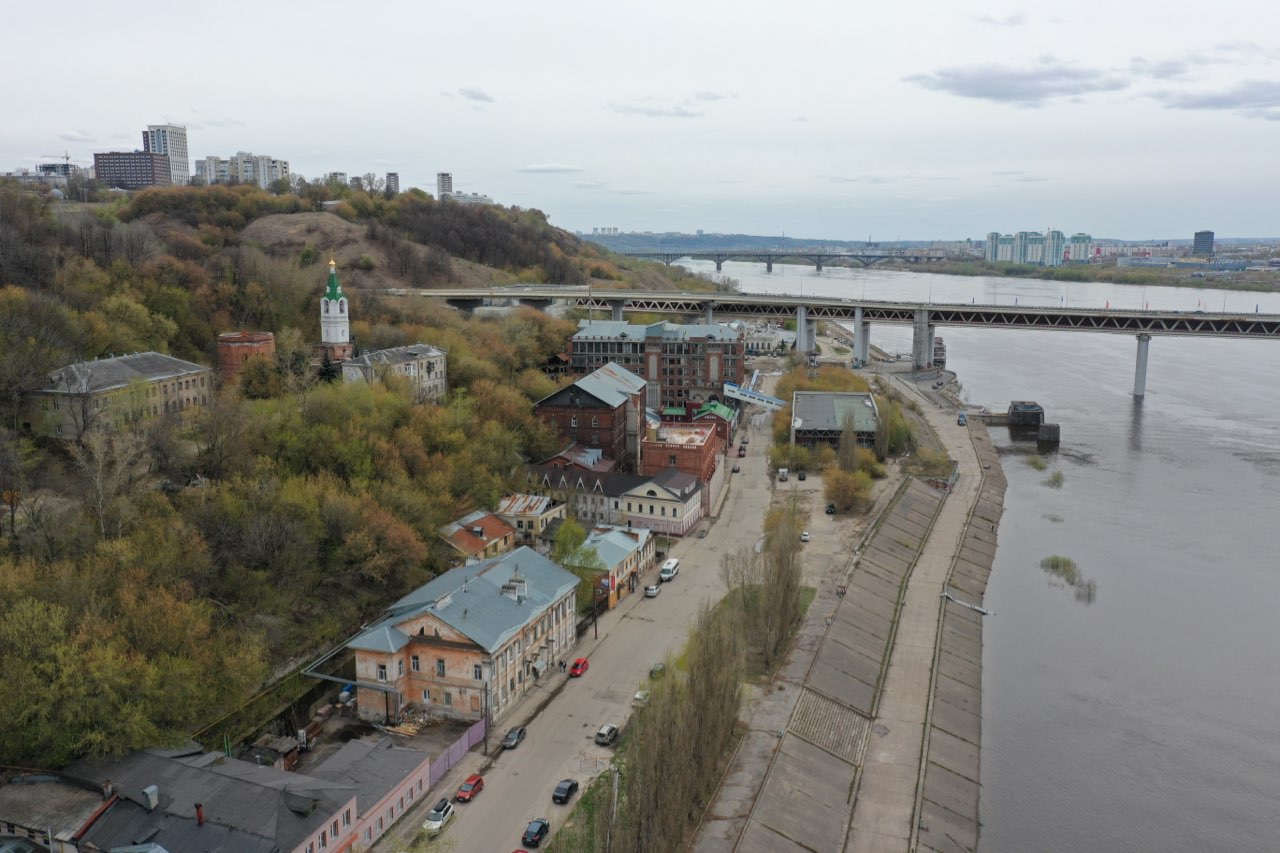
[800, 476]
[804, 536]
[641, 697]
[564, 791]
[513, 738]
[742, 451]
[607, 735]
[658, 670]
[439, 815]
[736, 468]
[831, 509]
[652, 591]
[669, 570]
[537, 830]
[579, 668]
[467, 792]
[962, 419]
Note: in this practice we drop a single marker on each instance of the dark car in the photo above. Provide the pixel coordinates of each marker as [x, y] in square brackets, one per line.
[564, 791]
[535, 832]
[831, 509]
[800, 476]
[513, 738]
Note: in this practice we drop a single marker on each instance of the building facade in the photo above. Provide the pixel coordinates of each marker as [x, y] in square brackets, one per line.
[1026, 247]
[627, 553]
[672, 503]
[680, 363]
[393, 182]
[475, 637]
[242, 168]
[693, 448]
[1080, 247]
[1202, 243]
[479, 535]
[530, 515]
[119, 392]
[235, 348]
[819, 417]
[444, 185]
[132, 170]
[171, 141]
[424, 367]
[593, 497]
[603, 410]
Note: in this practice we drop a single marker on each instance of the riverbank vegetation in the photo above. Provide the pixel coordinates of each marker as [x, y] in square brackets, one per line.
[1063, 571]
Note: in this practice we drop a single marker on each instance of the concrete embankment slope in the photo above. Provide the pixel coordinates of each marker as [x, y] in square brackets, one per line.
[949, 787]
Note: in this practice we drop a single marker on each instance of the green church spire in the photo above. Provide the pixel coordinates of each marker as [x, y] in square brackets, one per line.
[333, 291]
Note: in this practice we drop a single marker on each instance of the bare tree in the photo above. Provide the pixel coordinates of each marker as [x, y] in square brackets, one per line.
[372, 183]
[109, 463]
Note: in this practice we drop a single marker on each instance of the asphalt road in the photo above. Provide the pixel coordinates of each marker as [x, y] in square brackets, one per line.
[639, 633]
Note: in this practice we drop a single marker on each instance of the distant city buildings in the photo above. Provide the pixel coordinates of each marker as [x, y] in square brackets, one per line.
[393, 182]
[244, 167]
[1032, 247]
[334, 178]
[171, 141]
[444, 191]
[132, 170]
[610, 232]
[1202, 243]
[444, 184]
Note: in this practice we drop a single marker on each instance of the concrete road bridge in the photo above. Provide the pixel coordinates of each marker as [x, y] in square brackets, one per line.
[923, 317]
[815, 256]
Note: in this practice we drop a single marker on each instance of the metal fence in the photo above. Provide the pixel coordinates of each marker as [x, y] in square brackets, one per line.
[452, 755]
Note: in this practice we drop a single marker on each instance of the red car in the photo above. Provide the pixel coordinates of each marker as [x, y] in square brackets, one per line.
[579, 668]
[469, 789]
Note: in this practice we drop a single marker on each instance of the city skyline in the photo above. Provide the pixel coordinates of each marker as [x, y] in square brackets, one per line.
[828, 123]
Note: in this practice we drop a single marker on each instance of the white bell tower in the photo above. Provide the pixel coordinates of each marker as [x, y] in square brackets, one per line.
[335, 322]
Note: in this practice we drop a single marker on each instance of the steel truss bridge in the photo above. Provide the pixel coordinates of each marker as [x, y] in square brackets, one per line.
[814, 256]
[925, 317]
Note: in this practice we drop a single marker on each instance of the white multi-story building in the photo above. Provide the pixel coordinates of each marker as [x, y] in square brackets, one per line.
[243, 168]
[170, 140]
[393, 182]
[336, 178]
[1079, 247]
[444, 184]
[1026, 247]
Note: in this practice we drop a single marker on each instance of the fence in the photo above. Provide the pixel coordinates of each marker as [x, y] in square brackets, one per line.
[452, 755]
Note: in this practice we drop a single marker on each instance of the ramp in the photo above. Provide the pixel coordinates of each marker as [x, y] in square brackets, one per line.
[737, 392]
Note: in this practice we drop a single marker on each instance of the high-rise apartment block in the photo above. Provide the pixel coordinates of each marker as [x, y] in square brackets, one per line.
[334, 178]
[170, 140]
[1079, 247]
[393, 182]
[444, 185]
[1203, 243]
[1026, 247]
[132, 170]
[243, 168]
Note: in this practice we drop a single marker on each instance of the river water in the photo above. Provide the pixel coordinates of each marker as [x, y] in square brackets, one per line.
[1147, 718]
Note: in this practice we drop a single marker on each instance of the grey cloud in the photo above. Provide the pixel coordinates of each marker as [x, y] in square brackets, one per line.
[1015, 19]
[1008, 172]
[601, 186]
[654, 111]
[711, 96]
[548, 168]
[1161, 69]
[857, 179]
[76, 136]
[1031, 86]
[1030, 179]
[1251, 98]
[471, 93]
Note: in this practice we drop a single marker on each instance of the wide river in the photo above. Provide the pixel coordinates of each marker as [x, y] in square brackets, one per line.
[1148, 719]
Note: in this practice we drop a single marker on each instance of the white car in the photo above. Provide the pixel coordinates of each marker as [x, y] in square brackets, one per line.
[804, 536]
[439, 815]
[652, 591]
[641, 697]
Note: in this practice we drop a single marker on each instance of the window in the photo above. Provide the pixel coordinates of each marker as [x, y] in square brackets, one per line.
[414, 664]
[440, 667]
[346, 818]
[594, 421]
[342, 306]
[426, 695]
[382, 672]
[448, 698]
[477, 672]
[335, 830]
[573, 420]
[671, 459]
[324, 839]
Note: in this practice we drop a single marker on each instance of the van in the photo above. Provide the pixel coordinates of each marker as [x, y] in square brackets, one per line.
[669, 570]
[962, 419]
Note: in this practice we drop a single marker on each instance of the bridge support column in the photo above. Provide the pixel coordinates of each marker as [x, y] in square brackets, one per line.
[1140, 371]
[933, 335]
[711, 313]
[718, 265]
[615, 307]
[818, 264]
[768, 265]
[803, 342]
[862, 345]
[921, 344]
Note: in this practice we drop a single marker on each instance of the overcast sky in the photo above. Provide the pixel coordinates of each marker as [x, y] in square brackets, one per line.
[838, 120]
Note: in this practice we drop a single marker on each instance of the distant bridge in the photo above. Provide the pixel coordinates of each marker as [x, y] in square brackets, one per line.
[924, 317]
[815, 256]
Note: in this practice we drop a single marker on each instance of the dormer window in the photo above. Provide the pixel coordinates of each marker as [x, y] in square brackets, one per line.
[342, 307]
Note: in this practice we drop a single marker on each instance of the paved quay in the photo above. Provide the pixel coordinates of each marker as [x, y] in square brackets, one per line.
[891, 659]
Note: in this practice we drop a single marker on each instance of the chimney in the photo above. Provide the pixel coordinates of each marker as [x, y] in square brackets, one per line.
[478, 531]
[151, 797]
[108, 789]
[199, 814]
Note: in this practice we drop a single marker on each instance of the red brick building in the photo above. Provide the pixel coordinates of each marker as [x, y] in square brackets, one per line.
[604, 410]
[235, 348]
[691, 448]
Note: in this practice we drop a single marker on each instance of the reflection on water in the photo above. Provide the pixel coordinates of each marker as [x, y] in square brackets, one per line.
[1147, 720]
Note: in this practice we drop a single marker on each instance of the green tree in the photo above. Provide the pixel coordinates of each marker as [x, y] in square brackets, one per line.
[570, 551]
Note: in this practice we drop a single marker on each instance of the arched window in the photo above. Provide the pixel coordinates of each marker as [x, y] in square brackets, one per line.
[326, 306]
[342, 306]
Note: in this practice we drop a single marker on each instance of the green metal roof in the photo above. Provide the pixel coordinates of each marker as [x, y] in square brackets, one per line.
[333, 290]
